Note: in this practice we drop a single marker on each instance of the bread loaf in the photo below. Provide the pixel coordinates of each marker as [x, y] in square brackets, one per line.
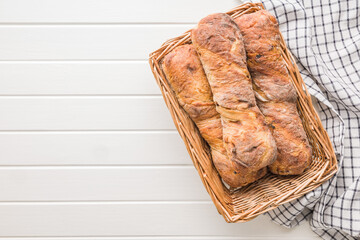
[186, 76]
[276, 95]
[247, 138]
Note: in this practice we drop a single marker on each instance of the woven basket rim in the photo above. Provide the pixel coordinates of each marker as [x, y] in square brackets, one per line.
[231, 203]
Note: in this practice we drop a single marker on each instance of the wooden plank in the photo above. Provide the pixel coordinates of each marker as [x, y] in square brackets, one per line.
[77, 78]
[90, 42]
[84, 113]
[132, 219]
[101, 184]
[93, 148]
[292, 237]
[109, 11]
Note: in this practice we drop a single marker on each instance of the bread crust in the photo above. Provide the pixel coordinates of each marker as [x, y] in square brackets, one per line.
[186, 76]
[247, 138]
[275, 93]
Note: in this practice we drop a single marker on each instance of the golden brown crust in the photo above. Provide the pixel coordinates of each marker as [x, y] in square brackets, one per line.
[294, 152]
[247, 139]
[186, 76]
[261, 36]
[276, 95]
[233, 174]
[218, 33]
[182, 66]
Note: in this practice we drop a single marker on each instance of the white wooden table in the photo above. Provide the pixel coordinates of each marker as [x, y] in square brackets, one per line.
[88, 148]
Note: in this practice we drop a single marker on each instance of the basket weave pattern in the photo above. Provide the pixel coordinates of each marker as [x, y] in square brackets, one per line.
[244, 204]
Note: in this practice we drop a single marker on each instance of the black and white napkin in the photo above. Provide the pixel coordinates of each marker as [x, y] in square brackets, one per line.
[324, 36]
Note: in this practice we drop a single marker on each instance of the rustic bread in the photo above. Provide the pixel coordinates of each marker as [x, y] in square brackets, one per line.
[186, 76]
[275, 93]
[247, 138]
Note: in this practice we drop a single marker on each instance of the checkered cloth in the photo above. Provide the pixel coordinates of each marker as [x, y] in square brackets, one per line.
[324, 36]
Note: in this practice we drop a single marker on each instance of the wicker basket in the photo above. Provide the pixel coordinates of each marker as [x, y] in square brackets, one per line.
[244, 204]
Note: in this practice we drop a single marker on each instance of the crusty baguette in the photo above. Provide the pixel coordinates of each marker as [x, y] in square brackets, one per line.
[276, 95]
[186, 76]
[247, 138]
